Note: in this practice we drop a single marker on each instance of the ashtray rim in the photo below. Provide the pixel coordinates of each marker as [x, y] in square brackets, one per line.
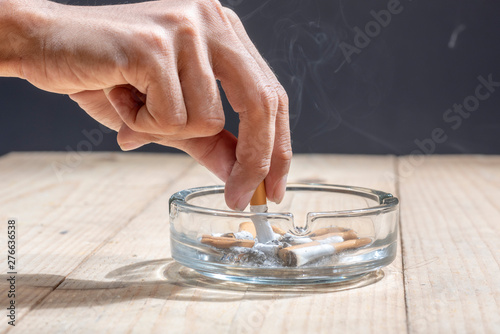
[387, 201]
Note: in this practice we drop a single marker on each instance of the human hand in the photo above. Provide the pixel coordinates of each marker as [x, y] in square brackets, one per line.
[149, 71]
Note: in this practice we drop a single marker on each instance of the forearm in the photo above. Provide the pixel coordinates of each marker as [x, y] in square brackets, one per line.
[21, 33]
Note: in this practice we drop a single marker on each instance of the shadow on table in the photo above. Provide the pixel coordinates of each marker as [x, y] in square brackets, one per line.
[157, 279]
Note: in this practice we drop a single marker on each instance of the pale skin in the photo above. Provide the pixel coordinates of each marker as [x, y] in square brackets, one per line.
[149, 71]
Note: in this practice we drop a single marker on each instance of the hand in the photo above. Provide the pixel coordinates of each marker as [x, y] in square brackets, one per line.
[149, 71]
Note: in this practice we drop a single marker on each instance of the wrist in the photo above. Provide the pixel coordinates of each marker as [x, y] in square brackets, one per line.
[22, 26]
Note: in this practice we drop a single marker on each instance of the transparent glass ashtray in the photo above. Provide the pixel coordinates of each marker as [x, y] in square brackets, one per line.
[322, 234]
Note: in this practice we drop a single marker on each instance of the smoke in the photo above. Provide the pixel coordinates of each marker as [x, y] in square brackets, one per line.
[323, 89]
[300, 40]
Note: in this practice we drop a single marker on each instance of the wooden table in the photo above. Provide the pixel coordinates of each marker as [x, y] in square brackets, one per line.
[93, 248]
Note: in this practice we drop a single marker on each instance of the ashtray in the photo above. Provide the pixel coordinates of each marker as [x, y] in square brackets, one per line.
[324, 234]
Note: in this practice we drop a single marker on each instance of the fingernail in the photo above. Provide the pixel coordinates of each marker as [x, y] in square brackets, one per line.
[132, 145]
[279, 190]
[243, 201]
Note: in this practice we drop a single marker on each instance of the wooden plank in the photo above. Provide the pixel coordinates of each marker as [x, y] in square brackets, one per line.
[451, 243]
[131, 284]
[60, 223]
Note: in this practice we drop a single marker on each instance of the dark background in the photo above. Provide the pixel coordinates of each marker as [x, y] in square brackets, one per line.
[395, 91]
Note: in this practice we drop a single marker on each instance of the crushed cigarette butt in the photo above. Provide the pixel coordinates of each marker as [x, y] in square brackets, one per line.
[243, 247]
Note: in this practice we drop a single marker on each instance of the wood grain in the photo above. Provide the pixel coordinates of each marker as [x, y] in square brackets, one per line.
[130, 284]
[95, 251]
[451, 242]
[63, 222]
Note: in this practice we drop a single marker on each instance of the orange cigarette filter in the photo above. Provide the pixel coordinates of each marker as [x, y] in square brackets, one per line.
[347, 235]
[250, 227]
[259, 197]
[224, 242]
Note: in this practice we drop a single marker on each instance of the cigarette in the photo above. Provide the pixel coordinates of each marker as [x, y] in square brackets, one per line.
[225, 242]
[258, 203]
[269, 250]
[278, 230]
[245, 235]
[324, 239]
[296, 256]
[347, 235]
[326, 230]
[250, 227]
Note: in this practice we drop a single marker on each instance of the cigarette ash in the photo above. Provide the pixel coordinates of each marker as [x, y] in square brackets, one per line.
[286, 250]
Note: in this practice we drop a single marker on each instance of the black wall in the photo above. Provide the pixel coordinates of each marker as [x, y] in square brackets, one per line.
[386, 96]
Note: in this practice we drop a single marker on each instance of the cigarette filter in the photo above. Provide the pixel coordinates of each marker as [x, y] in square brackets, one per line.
[258, 203]
[225, 242]
[326, 230]
[296, 256]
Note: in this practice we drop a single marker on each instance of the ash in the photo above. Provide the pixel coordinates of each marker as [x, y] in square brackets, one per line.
[260, 255]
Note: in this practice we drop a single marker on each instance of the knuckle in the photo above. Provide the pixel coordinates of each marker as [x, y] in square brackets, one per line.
[188, 27]
[211, 9]
[214, 125]
[231, 15]
[154, 38]
[173, 123]
[211, 126]
[284, 152]
[254, 163]
[261, 170]
[209, 4]
[283, 97]
[269, 99]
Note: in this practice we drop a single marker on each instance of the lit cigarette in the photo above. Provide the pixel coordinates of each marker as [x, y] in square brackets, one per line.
[296, 256]
[225, 242]
[258, 203]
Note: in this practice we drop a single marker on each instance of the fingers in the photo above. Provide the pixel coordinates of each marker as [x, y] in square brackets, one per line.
[163, 111]
[96, 104]
[126, 100]
[247, 90]
[205, 116]
[217, 153]
[254, 94]
[282, 149]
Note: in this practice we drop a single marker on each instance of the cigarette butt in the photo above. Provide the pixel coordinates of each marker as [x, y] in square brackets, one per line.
[258, 204]
[296, 256]
[241, 235]
[224, 242]
[248, 227]
[351, 244]
[326, 230]
[259, 197]
[278, 230]
[347, 235]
